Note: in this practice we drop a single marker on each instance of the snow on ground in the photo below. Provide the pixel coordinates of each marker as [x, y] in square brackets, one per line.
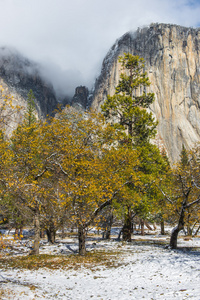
[143, 272]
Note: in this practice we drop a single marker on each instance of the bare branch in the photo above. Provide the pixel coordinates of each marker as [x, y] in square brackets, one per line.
[106, 203]
[192, 203]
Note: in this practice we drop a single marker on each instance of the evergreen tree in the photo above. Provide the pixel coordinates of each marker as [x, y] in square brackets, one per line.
[184, 157]
[29, 116]
[126, 110]
[128, 105]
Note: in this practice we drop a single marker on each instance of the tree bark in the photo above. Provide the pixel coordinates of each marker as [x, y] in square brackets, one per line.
[177, 229]
[162, 227]
[109, 226]
[142, 226]
[51, 233]
[81, 239]
[127, 228]
[147, 225]
[36, 244]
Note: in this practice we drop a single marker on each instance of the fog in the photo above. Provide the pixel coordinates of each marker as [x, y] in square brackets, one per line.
[70, 38]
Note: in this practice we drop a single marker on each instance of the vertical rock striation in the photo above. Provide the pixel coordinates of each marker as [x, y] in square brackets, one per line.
[172, 56]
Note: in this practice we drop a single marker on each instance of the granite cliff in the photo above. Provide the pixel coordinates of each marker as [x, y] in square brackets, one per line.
[172, 56]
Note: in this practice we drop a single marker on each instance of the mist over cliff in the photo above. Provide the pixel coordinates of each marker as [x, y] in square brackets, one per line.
[172, 57]
[18, 76]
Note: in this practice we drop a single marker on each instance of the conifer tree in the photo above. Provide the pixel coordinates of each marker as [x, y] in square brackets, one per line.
[184, 157]
[29, 116]
[126, 110]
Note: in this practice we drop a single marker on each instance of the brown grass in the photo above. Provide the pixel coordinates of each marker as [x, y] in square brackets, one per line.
[34, 262]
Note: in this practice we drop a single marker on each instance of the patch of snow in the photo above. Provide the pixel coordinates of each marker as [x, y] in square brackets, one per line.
[143, 271]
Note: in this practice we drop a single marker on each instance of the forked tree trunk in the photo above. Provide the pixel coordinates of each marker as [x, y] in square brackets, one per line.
[81, 239]
[127, 228]
[36, 244]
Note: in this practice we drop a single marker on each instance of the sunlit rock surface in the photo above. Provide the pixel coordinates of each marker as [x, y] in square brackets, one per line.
[172, 60]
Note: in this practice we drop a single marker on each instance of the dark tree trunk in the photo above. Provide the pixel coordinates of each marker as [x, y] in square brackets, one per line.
[36, 244]
[127, 228]
[177, 229]
[81, 239]
[119, 235]
[162, 227]
[109, 226]
[51, 233]
[142, 226]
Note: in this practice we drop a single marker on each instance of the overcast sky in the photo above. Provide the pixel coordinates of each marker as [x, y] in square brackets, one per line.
[71, 37]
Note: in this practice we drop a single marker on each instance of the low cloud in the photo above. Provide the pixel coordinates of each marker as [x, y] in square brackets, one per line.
[70, 38]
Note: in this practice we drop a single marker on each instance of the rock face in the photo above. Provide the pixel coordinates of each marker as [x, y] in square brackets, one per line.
[172, 56]
[17, 76]
[80, 97]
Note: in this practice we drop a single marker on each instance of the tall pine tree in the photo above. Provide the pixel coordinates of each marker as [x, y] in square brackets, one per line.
[127, 110]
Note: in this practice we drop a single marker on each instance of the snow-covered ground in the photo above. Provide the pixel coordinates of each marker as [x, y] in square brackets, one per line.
[143, 271]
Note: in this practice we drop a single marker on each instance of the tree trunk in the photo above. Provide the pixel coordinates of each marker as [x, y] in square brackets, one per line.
[51, 233]
[127, 228]
[142, 226]
[174, 237]
[147, 225]
[119, 235]
[162, 227]
[36, 244]
[109, 226]
[177, 229]
[81, 239]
